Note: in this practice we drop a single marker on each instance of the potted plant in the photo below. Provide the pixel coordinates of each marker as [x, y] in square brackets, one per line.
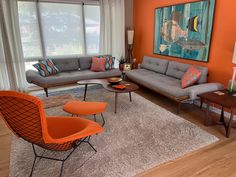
[121, 64]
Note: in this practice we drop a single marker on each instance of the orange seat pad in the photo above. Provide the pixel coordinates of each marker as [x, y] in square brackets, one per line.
[84, 108]
[65, 129]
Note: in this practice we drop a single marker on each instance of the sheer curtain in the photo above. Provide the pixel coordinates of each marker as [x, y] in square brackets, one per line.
[112, 28]
[11, 53]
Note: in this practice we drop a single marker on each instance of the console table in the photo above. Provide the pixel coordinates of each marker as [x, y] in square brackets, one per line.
[224, 100]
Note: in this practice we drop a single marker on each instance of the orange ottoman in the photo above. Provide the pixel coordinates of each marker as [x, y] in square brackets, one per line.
[77, 107]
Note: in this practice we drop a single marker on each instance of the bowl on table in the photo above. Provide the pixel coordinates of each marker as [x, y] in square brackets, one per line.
[114, 80]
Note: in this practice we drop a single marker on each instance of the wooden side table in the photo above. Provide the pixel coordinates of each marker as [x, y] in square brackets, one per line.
[130, 87]
[225, 101]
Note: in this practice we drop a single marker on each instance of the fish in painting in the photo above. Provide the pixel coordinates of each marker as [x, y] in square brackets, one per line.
[193, 24]
[173, 33]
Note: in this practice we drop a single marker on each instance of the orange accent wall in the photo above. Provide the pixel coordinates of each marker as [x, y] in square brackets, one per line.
[222, 42]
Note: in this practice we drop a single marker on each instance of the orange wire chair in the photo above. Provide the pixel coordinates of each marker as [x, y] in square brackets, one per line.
[24, 115]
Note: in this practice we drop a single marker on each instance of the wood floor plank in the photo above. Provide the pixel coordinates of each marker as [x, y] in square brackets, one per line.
[5, 146]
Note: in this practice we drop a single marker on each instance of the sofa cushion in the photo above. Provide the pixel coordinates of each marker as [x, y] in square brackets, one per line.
[85, 62]
[176, 69]
[110, 63]
[190, 77]
[158, 82]
[98, 64]
[204, 74]
[68, 77]
[155, 64]
[46, 68]
[66, 64]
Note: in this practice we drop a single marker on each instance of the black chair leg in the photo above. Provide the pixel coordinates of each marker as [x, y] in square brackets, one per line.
[92, 146]
[103, 120]
[75, 146]
[32, 169]
[62, 165]
[87, 141]
[46, 91]
[35, 157]
[94, 117]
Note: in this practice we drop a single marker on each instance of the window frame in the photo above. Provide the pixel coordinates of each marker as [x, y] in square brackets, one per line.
[41, 35]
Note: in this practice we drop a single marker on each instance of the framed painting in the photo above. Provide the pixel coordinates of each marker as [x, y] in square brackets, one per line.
[184, 30]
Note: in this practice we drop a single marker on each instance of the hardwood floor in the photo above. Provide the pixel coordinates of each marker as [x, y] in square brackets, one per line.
[5, 145]
[216, 160]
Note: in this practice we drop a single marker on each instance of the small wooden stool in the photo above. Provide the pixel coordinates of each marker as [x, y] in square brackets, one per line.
[77, 107]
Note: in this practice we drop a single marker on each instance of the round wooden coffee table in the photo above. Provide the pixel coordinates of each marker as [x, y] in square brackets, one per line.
[130, 87]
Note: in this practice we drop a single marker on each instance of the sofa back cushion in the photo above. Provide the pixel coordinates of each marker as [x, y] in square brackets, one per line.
[204, 74]
[177, 70]
[110, 61]
[46, 68]
[85, 63]
[190, 77]
[98, 64]
[66, 64]
[155, 64]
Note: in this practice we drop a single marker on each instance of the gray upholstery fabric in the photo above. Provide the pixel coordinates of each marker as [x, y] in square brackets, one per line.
[176, 69]
[157, 82]
[85, 62]
[203, 88]
[204, 74]
[155, 64]
[68, 77]
[66, 64]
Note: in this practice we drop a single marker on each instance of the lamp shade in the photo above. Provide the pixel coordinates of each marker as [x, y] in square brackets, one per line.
[130, 37]
[234, 56]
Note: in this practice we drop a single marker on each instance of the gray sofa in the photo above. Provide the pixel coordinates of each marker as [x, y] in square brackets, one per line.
[165, 76]
[71, 71]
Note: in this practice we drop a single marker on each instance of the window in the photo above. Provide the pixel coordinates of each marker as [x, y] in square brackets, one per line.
[50, 29]
[29, 30]
[92, 23]
[62, 28]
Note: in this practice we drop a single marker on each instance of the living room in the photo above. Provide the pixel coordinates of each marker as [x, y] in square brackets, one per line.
[117, 88]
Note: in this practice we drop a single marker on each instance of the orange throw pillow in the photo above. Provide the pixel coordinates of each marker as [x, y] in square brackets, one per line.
[190, 77]
[98, 64]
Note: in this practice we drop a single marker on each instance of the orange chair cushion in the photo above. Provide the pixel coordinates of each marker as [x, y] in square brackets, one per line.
[65, 129]
[84, 108]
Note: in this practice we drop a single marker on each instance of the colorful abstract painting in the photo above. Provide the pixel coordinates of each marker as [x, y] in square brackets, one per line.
[184, 30]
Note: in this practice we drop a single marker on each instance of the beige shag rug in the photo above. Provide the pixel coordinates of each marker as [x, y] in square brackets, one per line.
[58, 100]
[140, 136]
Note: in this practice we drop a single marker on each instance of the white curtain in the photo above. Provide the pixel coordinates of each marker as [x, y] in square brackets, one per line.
[112, 28]
[12, 60]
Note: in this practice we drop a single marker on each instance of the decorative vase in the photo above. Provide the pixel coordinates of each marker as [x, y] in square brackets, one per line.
[121, 67]
[231, 85]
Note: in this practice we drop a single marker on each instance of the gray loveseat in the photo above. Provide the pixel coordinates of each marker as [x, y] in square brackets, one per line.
[71, 71]
[165, 76]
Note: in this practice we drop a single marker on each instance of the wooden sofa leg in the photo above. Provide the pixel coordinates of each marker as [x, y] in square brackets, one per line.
[46, 91]
[179, 107]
